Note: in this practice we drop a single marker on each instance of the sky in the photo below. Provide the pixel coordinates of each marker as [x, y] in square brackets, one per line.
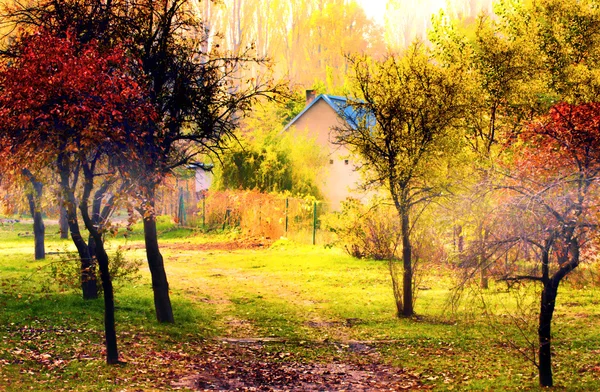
[374, 9]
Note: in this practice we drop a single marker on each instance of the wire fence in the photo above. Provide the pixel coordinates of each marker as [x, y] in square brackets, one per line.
[251, 212]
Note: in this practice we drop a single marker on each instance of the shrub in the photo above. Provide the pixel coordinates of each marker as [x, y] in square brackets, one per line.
[265, 159]
[374, 232]
[365, 232]
[66, 271]
[257, 214]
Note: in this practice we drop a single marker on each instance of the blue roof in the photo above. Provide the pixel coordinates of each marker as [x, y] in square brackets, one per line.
[340, 104]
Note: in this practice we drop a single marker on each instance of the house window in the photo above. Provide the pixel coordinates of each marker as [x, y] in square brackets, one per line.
[346, 162]
[331, 161]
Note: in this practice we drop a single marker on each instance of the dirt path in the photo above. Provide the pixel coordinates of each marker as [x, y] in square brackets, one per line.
[250, 367]
[240, 363]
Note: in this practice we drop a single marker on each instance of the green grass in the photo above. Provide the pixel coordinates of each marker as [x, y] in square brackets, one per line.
[316, 301]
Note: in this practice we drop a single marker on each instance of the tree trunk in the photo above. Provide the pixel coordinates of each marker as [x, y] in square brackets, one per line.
[460, 242]
[483, 278]
[91, 224]
[63, 223]
[38, 233]
[91, 244]
[96, 245]
[38, 226]
[95, 218]
[548, 301]
[112, 353]
[34, 199]
[89, 285]
[407, 262]
[160, 286]
[392, 266]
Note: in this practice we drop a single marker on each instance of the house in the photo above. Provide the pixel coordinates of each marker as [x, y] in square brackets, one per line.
[203, 176]
[321, 115]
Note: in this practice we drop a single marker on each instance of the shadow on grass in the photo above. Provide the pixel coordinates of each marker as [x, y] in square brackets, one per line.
[133, 312]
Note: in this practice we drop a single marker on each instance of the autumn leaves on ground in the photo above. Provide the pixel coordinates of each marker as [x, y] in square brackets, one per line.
[258, 315]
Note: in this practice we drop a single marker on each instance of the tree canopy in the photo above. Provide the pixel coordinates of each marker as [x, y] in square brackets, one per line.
[402, 126]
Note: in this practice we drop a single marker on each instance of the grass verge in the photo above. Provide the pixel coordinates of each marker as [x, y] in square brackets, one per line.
[317, 306]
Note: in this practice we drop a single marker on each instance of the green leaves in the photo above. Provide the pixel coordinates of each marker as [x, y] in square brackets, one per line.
[415, 105]
[267, 160]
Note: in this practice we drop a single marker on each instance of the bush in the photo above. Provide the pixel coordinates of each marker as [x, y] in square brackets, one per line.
[255, 213]
[374, 232]
[370, 232]
[365, 232]
[264, 159]
[66, 272]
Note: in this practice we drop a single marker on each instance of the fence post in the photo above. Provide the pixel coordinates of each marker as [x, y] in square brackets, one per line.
[314, 223]
[181, 207]
[287, 205]
[227, 218]
[203, 211]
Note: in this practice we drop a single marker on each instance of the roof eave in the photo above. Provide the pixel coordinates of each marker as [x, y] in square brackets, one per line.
[325, 98]
[320, 96]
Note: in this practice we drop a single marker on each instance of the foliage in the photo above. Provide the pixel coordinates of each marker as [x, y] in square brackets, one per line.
[77, 107]
[550, 188]
[73, 108]
[403, 125]
[365, 232]
[62, 98]
[503, 85]
[66, 272]
[284, 111]
[562, 38]
[258, 214]
[306, 39]
[198, 92]
[267, 160]
[546, 223]
[410, 20]
[522, 63]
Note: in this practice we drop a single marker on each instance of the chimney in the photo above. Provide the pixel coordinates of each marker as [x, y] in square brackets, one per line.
[310, 96]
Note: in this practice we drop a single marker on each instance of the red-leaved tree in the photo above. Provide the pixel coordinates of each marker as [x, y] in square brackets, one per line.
[78, 109]
[550, 203]
[198, 91]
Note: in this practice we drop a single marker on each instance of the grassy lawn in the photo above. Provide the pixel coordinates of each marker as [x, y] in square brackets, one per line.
[316, 305]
